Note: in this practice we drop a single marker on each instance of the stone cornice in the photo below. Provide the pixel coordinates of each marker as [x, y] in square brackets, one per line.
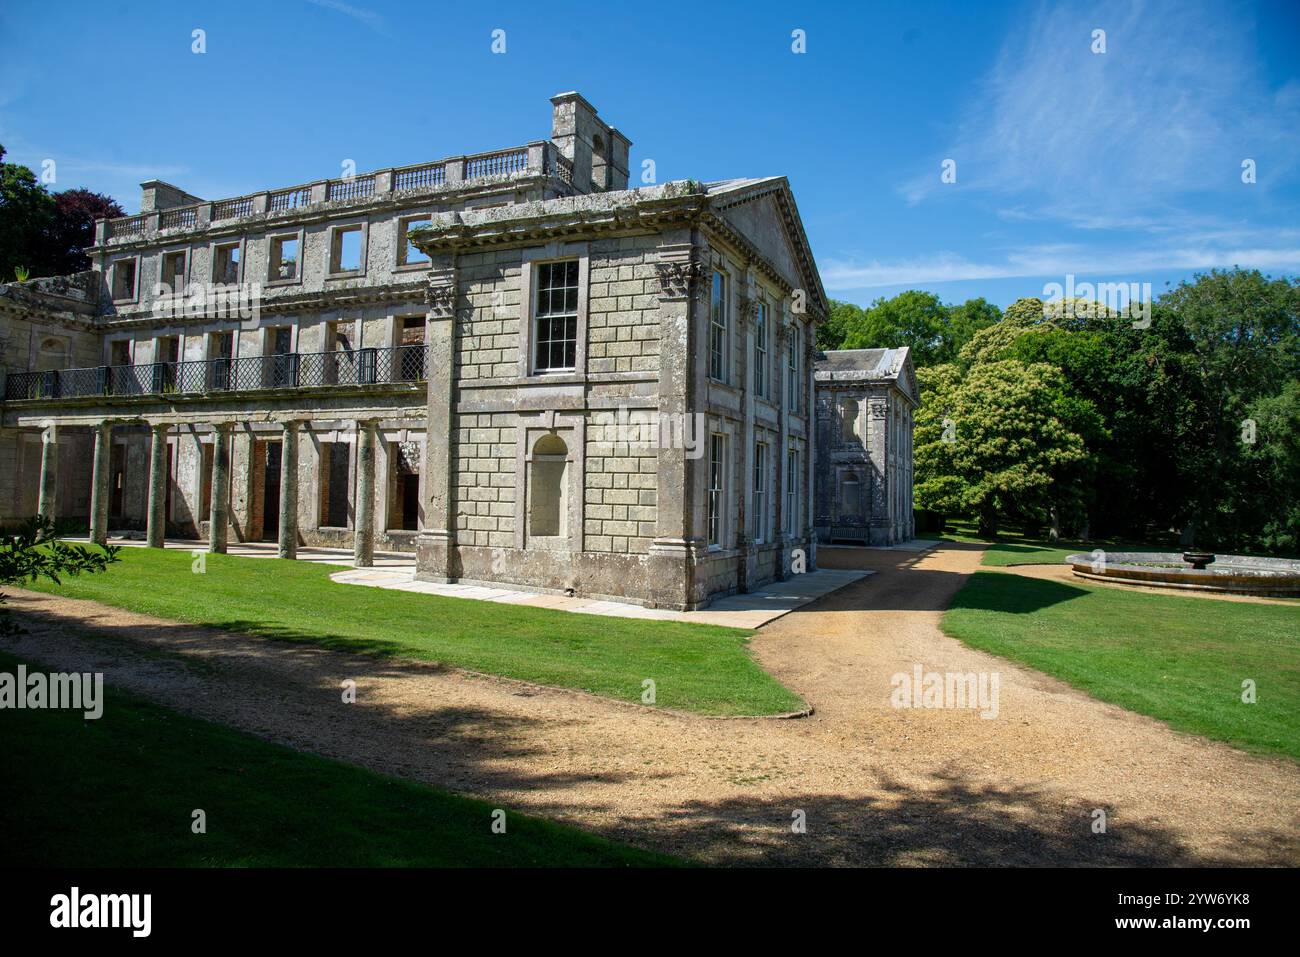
[539, 222]
[323, 299]
[46, 316]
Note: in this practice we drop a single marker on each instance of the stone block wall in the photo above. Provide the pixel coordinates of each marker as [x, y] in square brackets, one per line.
[484, 461]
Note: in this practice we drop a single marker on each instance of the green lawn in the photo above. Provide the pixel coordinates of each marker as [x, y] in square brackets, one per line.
[1182, 660]
[1013, 548]
[120, 791]
[695, 667]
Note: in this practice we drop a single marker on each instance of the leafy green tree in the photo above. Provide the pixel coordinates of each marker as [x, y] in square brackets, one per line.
[936, 487]
[26, 214]
[1273, 466]
[34, 552]
[843, 317]
[1012, 448]
[1240, 355]
[935, 332]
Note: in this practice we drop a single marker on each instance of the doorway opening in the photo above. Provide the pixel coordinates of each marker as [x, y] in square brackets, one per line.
[271, 493]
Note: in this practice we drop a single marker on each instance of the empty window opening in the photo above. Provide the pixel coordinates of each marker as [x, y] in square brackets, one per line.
[225, 267]
[410, 355]
[336, 461]
[220, 348]
[124, 279]
[345, 253]
[284, 257]
[173, 272]
[404, 508]
[167, 352]
[409, 253]
[205, 494]
[271, 452]
[117, 480]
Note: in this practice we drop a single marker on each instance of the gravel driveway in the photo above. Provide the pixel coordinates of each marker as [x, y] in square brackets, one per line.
[875, 784]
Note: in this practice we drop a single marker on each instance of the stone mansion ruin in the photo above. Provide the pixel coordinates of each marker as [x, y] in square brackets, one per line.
[507, 363]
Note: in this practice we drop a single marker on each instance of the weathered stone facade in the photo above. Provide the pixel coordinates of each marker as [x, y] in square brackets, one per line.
[509, 363]
[865, 403]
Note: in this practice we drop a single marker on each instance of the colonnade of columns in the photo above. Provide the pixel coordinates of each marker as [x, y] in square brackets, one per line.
[219, 511]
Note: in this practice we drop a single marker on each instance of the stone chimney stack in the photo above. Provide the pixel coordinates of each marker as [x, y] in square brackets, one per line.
[156, 195]
[599, 152]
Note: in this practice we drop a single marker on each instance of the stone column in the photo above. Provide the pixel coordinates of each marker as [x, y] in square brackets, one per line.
[788, 529]
[99, 482]
[363, 541]
[157, 517]
[878, 452]
[289, 490]
[48, 506]
[808, 507]
[682, 470]
[219, 518]
[435, 545]
[747, 519]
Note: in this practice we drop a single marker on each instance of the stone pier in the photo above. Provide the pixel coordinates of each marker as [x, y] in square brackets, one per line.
[219, 518]
[289, 491]
[157, 516]
[363, 549]
[99, 488]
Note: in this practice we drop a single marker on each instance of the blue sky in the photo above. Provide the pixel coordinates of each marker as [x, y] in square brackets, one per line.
[1123, 165]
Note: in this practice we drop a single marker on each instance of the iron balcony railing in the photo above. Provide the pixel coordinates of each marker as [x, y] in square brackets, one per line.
[293, 370]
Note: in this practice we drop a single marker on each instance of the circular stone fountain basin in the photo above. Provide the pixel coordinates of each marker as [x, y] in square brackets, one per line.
[1234, 574]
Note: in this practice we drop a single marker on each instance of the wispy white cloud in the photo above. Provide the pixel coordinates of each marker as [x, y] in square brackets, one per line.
[1056, 261]
[1171, 108]
[35, 156]
[363, 15]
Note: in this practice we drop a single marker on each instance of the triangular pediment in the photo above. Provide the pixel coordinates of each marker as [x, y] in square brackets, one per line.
[763, 211]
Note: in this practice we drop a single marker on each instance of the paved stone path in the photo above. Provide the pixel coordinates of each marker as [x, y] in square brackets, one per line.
[750, 610]
[875, 784]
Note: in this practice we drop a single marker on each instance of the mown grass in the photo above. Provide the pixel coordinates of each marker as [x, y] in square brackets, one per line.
[1182, 660]
[699, 668]
[121, 791]
[1011, 547]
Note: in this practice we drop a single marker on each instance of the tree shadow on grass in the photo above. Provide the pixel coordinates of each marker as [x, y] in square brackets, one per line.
[1013, 594]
